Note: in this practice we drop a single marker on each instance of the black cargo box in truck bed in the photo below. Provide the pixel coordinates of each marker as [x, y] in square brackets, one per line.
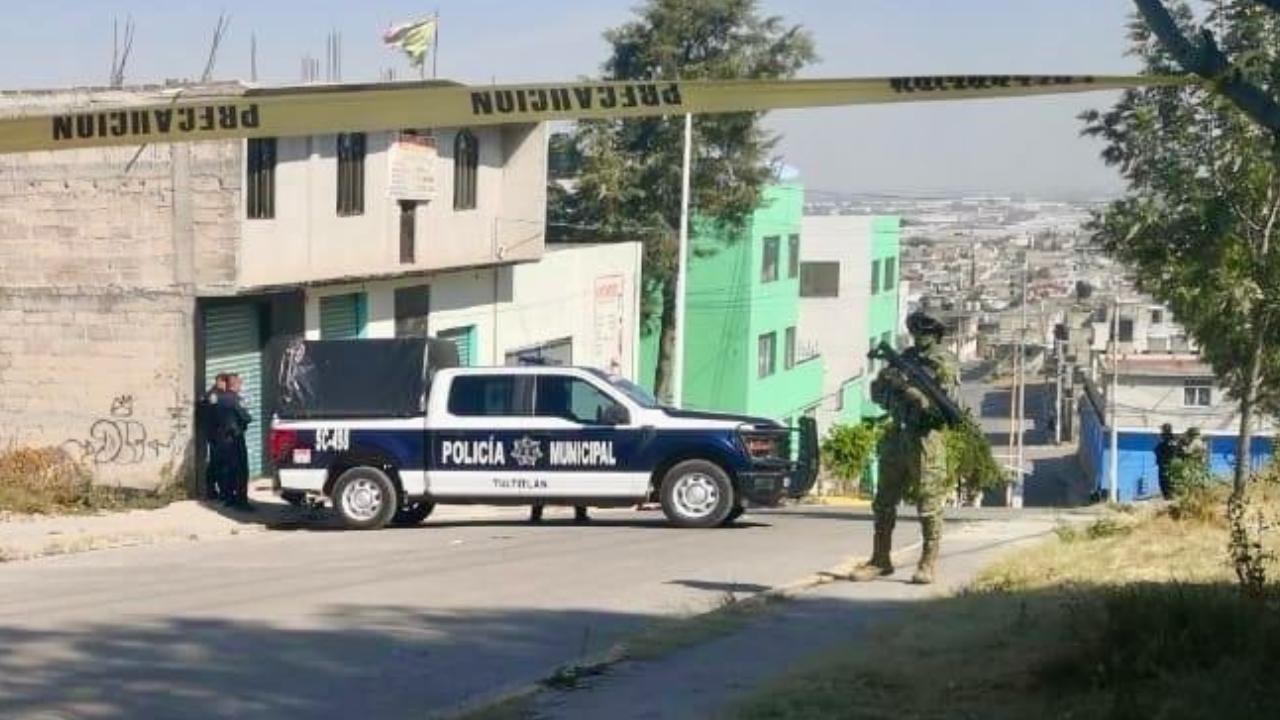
[332, 379]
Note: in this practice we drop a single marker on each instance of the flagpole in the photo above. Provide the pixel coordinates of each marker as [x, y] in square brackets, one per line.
[677, 362]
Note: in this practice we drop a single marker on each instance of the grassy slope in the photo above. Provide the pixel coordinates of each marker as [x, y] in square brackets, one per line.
[1134, 617]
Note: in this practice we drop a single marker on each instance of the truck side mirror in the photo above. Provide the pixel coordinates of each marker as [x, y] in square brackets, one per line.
[614, 415]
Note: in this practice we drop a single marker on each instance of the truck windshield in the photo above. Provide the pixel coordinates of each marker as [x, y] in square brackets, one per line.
[637, 394]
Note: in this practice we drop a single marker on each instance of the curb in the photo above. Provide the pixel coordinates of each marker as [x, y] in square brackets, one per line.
[598, 664]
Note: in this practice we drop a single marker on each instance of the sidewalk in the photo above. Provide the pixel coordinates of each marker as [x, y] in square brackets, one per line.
[30, 536]
[703, 681]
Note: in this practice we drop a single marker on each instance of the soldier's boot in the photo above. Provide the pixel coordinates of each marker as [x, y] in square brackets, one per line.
[881, 562]
[928, 555]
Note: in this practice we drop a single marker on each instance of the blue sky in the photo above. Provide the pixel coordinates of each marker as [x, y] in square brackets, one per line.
[1013, 145]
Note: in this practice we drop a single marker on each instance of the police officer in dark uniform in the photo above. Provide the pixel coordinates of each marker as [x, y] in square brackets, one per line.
[233, 421]
[1166, 450]
[208, 417]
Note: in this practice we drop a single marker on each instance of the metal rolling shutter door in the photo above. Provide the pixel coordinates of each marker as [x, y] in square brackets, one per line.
[232, 344]
[340, 317]
[461, 337]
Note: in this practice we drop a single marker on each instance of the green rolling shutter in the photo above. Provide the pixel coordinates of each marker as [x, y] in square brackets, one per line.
[464, 338]
[233, 344]
[342, 317]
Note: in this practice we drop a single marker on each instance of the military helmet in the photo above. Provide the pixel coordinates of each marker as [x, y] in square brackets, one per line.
[922, 323]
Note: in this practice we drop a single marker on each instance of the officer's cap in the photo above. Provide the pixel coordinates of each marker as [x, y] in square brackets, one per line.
[920, 323]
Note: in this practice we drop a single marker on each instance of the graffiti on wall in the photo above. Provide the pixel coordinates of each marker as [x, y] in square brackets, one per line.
[119, 438]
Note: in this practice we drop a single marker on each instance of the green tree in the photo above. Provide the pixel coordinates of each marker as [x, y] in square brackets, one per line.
[629, 180]
[1198, 224]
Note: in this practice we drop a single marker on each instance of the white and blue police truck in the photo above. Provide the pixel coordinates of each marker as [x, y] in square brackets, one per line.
[385, 430]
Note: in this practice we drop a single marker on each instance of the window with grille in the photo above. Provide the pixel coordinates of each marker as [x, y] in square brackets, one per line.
[351, 153]
[1197, 395]
[408, 232]
[789, 349]
[890, 272]
[466, 164]
[769, 265]
[413, 305]
[875, 276]
[766, 362]
[820, 279]
[793, 256]
[260, 178]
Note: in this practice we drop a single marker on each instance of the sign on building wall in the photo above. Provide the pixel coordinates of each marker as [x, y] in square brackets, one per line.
[608, 315]
[412, 163]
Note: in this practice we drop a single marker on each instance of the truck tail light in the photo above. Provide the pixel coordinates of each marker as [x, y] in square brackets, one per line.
[282, 444]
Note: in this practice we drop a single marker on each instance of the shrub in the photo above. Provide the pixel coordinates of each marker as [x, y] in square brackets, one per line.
[1161, 650]
[42, 480]
[847, 450]
[47, 481]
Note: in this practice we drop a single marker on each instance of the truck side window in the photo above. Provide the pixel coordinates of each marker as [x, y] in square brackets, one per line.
[572, 399]
[489, 395]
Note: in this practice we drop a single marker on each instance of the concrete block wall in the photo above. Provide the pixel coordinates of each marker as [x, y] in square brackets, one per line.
[101, 257]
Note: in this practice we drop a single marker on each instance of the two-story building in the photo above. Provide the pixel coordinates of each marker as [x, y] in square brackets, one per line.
[1151, 390]
[849, 302]
[131, 276]
[742, 350]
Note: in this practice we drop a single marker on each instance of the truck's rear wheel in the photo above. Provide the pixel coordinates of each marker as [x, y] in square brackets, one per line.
[697, 494]
[365, 498]
[412, 514]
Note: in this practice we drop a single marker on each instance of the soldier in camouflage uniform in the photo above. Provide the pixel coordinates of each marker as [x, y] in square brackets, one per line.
[912, 451]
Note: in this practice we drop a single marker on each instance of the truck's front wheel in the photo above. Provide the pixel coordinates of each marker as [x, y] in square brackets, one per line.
[365, 498]
[697, 494]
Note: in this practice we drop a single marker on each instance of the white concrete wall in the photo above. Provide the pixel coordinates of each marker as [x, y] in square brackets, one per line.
[838, 326]
[307, 241]
[557, 298]
[515, 307]
[99, 270]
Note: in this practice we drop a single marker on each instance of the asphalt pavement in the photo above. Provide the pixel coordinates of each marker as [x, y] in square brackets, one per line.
[319, 623]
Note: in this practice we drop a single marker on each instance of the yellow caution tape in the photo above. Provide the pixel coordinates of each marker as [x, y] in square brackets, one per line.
[312, 110]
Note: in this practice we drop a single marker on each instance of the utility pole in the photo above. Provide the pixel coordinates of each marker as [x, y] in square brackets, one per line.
[677, 362]
[1113, 484]
[1058, 410]
[1022, 382]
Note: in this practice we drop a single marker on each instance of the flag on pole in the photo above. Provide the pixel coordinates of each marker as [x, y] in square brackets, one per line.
[414, 38]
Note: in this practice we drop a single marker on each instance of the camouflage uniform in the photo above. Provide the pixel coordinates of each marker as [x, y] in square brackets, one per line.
[913, 462]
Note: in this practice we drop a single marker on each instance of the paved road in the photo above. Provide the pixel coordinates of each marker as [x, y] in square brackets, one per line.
[705, 680]
[1055, 479]
[314, 624]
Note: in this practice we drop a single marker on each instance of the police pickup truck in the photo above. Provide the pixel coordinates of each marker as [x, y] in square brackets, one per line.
[387, 429]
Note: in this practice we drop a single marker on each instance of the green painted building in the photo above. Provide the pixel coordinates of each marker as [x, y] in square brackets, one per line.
[742, 350]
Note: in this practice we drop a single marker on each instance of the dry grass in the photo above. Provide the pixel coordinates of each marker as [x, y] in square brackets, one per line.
[46, 481]
[1135, 616]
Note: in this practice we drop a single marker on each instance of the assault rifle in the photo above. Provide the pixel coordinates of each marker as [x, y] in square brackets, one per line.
[923, 382]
